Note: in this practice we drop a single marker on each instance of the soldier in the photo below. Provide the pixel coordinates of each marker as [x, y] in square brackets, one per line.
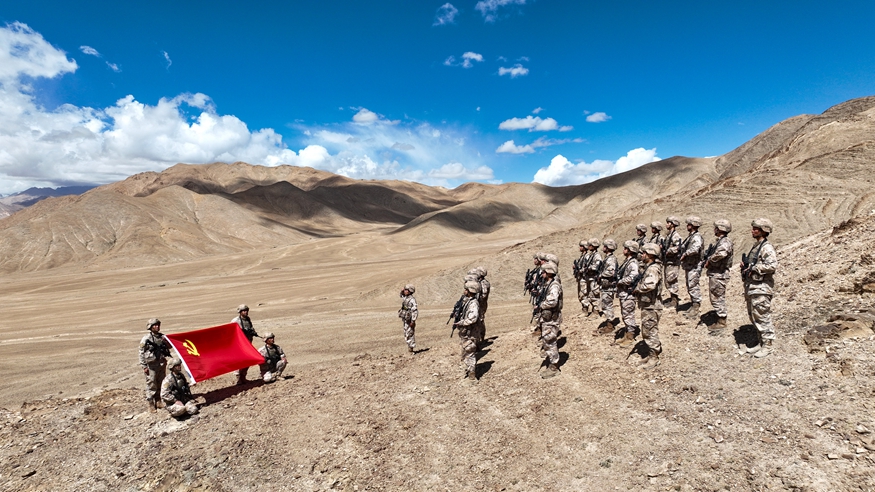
[245, 324]
[718, 267]
[591, 274]
[656, 236]
[483, 298]
[176, 393]
[641, 231]
[608, 284]
[466, 325]
[408, 314]
[550, 317]
[628, 278]
[692, 254]
[757, 272]
[578, 269]
[154, 351]
[274, 359]
[650, 304]
[671, 256]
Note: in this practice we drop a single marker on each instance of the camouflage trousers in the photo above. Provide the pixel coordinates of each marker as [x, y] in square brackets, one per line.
[759, 309]
[717, 294]
[549, 337]
[593, 294]
[650, 329]
[608, 304]
[157, 371]
[671, 279]
[627, 310]
[409, 335]
[271, 372]
[469, 351]
[180, 409]
[479, 330]
[693, 276]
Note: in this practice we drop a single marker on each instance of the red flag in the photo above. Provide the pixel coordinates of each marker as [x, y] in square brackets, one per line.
[214, 351]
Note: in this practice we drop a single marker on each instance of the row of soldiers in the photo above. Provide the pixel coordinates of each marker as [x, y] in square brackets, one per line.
[171, 389]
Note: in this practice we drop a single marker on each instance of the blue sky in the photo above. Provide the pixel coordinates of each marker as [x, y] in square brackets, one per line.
[436, 92]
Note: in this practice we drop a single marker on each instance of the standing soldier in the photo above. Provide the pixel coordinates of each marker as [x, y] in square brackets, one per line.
[628, 278]
[245, 325]
[757, 272]
[483, 298]
[641, 231]
[591, 273]
[650, 304]
[153, 358]
[671, 254]
[578, 269]
[656, 236]
[176, 393]
[718, 267]
[408, 314]
[608, 283]
[550, 317]
[532, 276]
[274, 359]
[466, 325]
[692, 254]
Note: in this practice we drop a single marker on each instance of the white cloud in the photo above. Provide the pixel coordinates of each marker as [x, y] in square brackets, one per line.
[467, 58]
[597, 117]
[514, 71]
[532, 124]
[450, 61]
[510, 148]
[455, 171]
[88, 50]
[446, 14]
[561, 172]
[365, 116]
[167, 59]
[113, 67]
[537, 110]
[489, 8]
[24, 52]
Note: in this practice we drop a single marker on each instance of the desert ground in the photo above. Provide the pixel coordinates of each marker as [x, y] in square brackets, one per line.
[322, 269]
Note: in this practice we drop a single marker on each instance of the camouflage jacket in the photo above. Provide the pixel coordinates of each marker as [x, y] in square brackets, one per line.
[761, 279]
[408, 311]
[649, 290]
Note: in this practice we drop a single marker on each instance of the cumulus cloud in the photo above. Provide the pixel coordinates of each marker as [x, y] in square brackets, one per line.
[467, 60]
[562, 172]
[533, 124]
[446, 14]
[364, 116]
[24, 52]
[510, 147]
[456, 171]
[88, 50]
[514, 71]
[489, 8]
[597, 117]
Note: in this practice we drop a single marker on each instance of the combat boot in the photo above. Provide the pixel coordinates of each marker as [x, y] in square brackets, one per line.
[551, 371]
[410, 350]
[765, 349]
[717, 328]
[649, 362]
[150, 405]
[608, 328]
[627, 341]
[672, 302]
[471, 375]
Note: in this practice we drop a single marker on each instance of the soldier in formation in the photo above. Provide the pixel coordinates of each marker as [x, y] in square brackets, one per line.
[608, 284]
[655, 236]
[549, 312]
[408, 314]
[154, 351]
[467, 326]
[671, 260]
[641, 232]
[274, 359]
[649, 293]
[245, 324]
[176, 393]
[483, 299]
[691, 254]
[718, 267]
[628, 277]
[757, 272]
[591, 273]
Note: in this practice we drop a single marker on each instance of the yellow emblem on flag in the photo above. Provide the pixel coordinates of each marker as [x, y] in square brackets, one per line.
[190, 348]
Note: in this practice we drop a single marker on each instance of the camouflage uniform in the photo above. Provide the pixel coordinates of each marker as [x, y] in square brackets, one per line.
[153, 356]
[591, 274]
[628, 273]
[608, 284]
[408, 314]
[672, 255]
[718, 270]
[483, 298]
[175, 389]
[650, 304]
[245, 324]
[692, 253]
[274, 360]
[759, 287]
[550, 319]
[579, 268]
[467, 325]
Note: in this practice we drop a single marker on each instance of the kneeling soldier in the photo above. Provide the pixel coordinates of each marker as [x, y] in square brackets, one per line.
[274, 359]
[176, 393]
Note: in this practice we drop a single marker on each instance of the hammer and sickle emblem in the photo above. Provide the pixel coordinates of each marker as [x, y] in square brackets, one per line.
[190, 348]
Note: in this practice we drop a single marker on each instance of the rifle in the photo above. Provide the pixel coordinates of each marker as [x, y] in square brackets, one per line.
[157, 349]
[748, 261]
[457, 313]
[577, 272]
[542, 294]
[634, 284]
[707, 256]
[527, 281]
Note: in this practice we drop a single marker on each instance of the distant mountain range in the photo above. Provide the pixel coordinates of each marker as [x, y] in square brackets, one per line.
[17, 201]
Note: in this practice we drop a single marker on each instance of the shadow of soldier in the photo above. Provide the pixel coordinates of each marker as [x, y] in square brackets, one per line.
[747, 335]
[482, 368]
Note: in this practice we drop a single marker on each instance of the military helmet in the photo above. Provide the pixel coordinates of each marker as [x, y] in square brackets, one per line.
[652, 249]
[641, 227]
[723, 225]
[540, 255]
[410, 287]
[694, 221]
[550, 267]
[656, 225]
[173, 363]
[610, 244]
[584, 243]
[470, 278]
[631, 246]
[472, 287]
[242, 307]
[763, 224]
[481, 270]
[268, 335]
[671, 219]
[551, 258]
[152, 322]
[595, 242]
